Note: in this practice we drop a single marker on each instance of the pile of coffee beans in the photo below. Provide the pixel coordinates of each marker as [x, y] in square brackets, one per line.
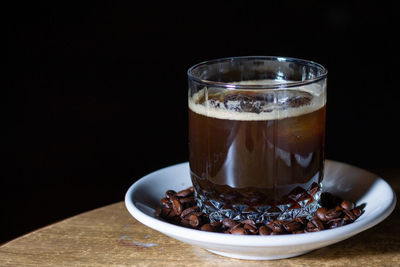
[180, 208]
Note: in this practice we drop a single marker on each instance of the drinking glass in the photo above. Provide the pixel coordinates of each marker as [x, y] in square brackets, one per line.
[257, 137]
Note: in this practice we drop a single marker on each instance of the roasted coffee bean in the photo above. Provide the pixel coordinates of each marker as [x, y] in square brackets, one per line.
[317, 223]
[177, 206]
[229, 222]
[347, 205]
[171, 213]
[292, 226]
[350, 214]
[311, 229]
[238, 231]
[250, 228]
[166, 203]
[334, 223]
[199, 214]
[187, 200]
[191, 189]
[169, 193]
[310, 225]
[185, 223]
[338, 208]
[332, 214]
[263, 230]
[194, 220]
[298, 232]
[321, 214]
[189, 210]
[165, 212]
[313, 226]
[207, 227]
[276, 226]
[183, 193]
[235, 226]
[356, 212]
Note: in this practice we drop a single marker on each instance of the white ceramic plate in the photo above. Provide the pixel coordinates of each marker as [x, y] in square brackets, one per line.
[341, 179]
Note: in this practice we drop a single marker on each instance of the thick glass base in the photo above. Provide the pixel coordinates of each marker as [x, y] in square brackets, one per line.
[303, 207]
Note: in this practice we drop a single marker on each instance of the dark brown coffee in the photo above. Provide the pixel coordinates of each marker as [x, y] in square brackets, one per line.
[256, 149]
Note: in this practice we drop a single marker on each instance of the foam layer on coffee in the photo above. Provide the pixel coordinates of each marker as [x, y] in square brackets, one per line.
[258, 105]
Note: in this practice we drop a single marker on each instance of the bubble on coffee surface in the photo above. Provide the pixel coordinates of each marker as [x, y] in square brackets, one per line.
[243, 101]
[257, 104]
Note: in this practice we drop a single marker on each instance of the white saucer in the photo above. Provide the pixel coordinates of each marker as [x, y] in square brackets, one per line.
[341, 179]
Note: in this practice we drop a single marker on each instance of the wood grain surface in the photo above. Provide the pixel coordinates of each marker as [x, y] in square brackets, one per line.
[110, 236]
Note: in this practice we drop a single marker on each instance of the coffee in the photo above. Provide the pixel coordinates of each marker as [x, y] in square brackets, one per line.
[255, 150]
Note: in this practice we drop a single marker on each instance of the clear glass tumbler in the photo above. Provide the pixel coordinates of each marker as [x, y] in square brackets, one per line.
[257, 137]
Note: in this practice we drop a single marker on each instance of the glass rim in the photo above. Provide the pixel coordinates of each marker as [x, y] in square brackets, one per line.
[283, 84]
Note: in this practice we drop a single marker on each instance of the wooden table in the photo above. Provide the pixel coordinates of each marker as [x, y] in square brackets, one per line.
[111, 236]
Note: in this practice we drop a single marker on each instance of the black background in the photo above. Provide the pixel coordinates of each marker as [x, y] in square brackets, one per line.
[96, 92]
